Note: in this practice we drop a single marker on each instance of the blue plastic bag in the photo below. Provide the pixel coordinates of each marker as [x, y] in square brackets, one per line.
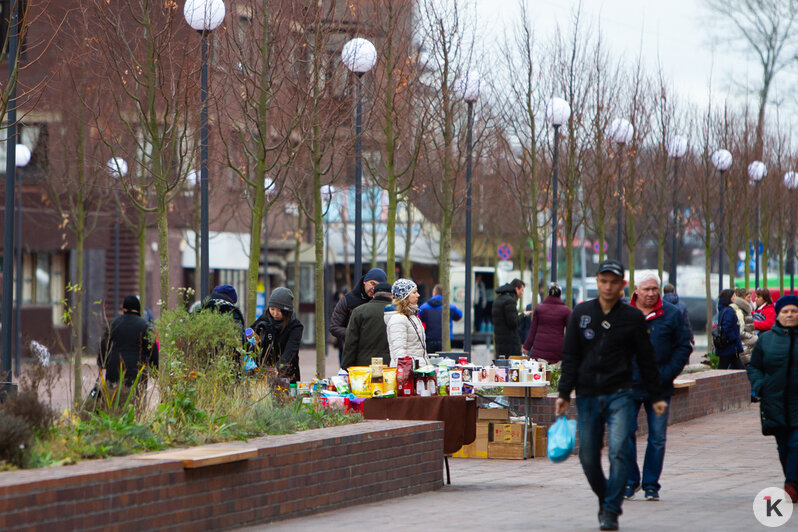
[561, 440]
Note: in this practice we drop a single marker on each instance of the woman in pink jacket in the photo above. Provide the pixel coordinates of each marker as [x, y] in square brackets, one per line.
[547, 331]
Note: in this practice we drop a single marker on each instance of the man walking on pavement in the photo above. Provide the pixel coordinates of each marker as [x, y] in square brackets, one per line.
[431, 314]
[671, 340]
[603, 339]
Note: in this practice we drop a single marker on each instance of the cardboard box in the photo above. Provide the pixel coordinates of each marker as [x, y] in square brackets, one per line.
[508, 433]
[479, 447]
[508, 451]
[539, 441]
[471, 451]
[498, 414]
[535, 391]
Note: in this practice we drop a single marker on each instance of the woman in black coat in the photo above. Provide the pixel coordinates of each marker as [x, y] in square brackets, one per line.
[773, 372]
[280, 334]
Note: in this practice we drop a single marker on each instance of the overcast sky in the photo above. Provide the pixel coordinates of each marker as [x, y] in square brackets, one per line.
[674, 30]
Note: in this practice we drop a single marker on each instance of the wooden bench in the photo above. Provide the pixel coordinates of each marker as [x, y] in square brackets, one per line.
[203, 456]
[683, 383]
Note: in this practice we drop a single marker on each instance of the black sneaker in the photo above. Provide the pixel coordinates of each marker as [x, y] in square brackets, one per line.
[608, 520]
[629, 492]
[652, 495]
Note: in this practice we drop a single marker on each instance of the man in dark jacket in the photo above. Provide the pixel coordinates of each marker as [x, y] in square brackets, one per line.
[366, 336]
[431, 314]
[669, 294]
[603, 338]
[223, 300]
[126, 345]
[672, 349]
[506, 319]
[361, 293]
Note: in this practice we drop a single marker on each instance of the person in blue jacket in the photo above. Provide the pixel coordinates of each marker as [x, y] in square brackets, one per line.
[431, 314]
[729, 355]
[670, 338]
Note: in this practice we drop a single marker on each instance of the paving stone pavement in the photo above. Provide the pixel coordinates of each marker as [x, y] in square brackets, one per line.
[714, 466]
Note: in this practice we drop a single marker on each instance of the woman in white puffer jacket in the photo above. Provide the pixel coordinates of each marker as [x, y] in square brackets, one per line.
[405, 331]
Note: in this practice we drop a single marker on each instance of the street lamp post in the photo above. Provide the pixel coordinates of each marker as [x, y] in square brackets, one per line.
[791, 182]
[204, 16]
[22, 159]
[722, 160]
[621, 131]
[359, 56]
[327, 193]
[756, 172]
[676, 147]
[6, 386]
[557, 113]
[468, 89]
[117, 167]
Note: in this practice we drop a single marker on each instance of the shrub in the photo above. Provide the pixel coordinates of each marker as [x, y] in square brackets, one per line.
[15, 439]
[27, 406]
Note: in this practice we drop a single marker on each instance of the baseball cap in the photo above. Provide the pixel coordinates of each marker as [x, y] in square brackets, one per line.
[611, 266]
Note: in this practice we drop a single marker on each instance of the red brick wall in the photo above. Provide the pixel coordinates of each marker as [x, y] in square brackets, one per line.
[714, 391]
[293, 475]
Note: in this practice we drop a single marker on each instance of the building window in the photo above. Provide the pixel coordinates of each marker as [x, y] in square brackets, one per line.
[43, 281]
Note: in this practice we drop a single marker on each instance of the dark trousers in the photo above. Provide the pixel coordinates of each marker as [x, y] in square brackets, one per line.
[787, 441]
[593, 413]
[655, 450]
[730, 362]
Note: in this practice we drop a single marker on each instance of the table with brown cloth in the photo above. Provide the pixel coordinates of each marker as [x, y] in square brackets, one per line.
[458, 413]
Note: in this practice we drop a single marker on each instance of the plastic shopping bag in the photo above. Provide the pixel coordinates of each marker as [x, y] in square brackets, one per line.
[561, 439]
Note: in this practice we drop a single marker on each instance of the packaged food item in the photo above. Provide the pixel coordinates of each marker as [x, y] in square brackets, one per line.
[389, 377]
[377, 382]
[513, 377]
[442, 380]
[360, 381]
[500, 375]
[455, 383]
[405, 384]
[341, 384]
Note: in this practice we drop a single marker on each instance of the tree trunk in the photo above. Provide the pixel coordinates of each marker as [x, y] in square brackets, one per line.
[255, 234]
[77, 316]
[141, 235]
[163, 250]
[297, 266]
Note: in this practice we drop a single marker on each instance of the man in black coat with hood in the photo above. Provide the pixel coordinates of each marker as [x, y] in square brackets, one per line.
[506, 319]
[362, 293]
[126, 345]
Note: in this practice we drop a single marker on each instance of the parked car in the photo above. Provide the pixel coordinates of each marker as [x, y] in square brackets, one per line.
[697, 310]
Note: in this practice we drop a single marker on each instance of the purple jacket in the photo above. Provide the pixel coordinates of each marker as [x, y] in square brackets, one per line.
[547, 331]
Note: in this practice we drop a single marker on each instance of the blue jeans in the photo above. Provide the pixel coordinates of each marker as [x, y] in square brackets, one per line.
[594, 412]
[655, 450]
[787, 441]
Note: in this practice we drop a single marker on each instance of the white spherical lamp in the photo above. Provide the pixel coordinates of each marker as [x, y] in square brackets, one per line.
[204, 15]
[722, 160]
[467, 87]
[117, 167]
[621, 130]
[22, 155]
[676, 146]
[757, 171]
[359, 55]
[791, 180]
[557, 111]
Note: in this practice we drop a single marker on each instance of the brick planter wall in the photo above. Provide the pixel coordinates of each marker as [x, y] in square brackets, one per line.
[292, 475]
[714, 391]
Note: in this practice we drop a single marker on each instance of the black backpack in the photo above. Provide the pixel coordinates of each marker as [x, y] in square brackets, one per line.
[719, 337]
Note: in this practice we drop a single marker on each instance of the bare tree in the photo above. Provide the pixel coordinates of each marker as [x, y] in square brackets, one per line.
[765, 29]
[149, 58]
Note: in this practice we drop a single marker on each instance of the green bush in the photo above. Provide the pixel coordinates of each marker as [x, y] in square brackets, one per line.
[200, 397]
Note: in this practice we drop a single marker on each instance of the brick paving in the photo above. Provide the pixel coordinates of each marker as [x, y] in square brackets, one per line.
[714, 467]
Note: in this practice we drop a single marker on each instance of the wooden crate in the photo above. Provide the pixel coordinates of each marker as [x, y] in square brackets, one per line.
[490, 414]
